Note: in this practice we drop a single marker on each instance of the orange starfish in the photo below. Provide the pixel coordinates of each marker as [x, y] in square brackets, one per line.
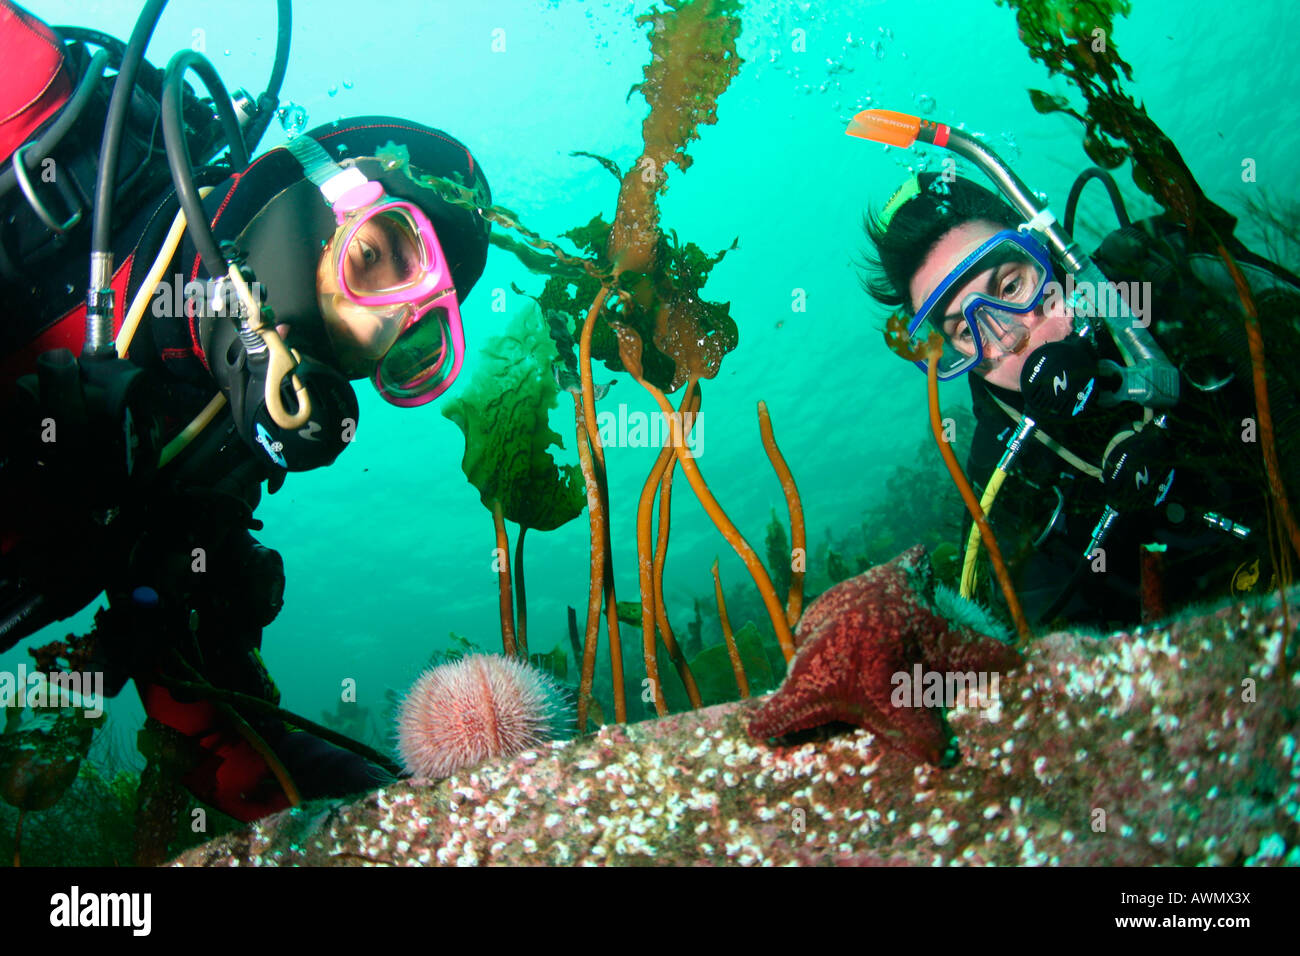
[862, 646]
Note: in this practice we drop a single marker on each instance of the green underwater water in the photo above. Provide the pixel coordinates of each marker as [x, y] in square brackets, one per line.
[389, 552]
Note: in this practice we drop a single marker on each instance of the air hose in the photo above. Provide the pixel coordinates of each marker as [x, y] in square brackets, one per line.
[99, 294]
[1107, 180]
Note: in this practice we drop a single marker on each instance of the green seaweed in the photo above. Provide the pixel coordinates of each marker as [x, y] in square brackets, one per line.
[659, 278]
[554, 662]
[682, 333]
[629, 612]
[715, 676]
[1075, 39]
[778, 554]
[40, 756]
[91, 825]
[502, 413]
[836, 569]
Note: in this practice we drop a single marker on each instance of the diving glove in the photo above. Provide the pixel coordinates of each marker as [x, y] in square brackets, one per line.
[88, 426]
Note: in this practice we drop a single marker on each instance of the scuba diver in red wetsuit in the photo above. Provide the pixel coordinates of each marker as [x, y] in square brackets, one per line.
[228, 308]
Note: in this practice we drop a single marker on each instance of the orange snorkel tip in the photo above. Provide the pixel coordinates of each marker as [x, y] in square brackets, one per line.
[885, 126]
[896, 129]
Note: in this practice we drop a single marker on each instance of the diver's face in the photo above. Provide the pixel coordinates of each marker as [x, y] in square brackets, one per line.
[1049, 322]
[378, 258]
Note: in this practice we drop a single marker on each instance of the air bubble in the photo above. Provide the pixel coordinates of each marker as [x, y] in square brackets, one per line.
[333, 90]
[926, 102]
[347, 83]
[293, 119]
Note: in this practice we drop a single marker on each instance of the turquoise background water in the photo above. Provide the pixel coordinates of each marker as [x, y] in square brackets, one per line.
[389, 550]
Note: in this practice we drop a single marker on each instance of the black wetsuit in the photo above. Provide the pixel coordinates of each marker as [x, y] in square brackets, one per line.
[1048, 507]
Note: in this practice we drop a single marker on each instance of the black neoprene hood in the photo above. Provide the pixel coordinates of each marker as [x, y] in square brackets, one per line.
[280, 221]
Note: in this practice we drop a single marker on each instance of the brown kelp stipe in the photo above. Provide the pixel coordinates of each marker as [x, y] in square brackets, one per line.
[661, 548]
[690, 406]
[651, 597]
[602, 486]
[503, 582]
[629, 344]
[1267, 443]
[932, 348]
[740, 545]
[741, 680]
[1280, 510]
[645, 573]
[521, 599]
[793, 504]
[596, 520]
[584, 369]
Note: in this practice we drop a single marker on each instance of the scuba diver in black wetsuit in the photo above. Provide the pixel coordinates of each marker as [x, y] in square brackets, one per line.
[1125, 450]
[215, 356]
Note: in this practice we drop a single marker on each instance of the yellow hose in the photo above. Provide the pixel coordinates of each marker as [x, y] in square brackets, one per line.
[191, 431]
[141, 302]
[973, 542]
[134, 315]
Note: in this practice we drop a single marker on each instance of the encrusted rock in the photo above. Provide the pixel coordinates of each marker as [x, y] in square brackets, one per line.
[1173, 745]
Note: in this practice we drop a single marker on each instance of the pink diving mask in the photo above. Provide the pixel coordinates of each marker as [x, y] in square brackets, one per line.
[387, 260]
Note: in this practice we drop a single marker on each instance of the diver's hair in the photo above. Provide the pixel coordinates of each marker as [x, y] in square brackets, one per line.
[902, 243]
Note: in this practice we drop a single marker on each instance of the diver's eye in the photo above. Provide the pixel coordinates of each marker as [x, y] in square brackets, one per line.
[1017, 283]
[363, 255]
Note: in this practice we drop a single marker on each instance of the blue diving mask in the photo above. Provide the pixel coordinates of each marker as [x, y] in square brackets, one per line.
[1000, 283]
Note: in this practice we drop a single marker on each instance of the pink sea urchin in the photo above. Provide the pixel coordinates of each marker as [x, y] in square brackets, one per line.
[461, 713]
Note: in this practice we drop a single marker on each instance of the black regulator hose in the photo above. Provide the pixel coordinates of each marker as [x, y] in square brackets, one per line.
[269, 100]
[178, 150]
[1107, 180]
[99, 297]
